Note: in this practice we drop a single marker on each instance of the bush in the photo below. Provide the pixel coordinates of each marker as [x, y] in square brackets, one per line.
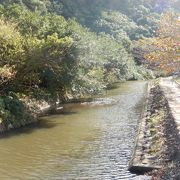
[13, 112]
[11, 44]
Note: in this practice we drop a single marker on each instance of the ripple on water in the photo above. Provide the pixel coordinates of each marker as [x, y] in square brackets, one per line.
[84, 143]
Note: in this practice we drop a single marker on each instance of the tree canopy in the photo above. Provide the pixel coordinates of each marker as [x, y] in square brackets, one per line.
[165, 48]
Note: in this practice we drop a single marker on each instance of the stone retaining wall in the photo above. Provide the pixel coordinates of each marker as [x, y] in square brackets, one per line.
[156, 141]
[141, 162]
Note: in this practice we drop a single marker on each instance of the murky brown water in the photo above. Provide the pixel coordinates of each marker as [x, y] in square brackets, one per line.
[86, 142]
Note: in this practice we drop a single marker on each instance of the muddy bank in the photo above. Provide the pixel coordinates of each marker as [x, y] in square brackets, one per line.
[157, 146]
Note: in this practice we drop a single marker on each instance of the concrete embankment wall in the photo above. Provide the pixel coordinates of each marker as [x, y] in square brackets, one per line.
[140, 162]
[158, 132]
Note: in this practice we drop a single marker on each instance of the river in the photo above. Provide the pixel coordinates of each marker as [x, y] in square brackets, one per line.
[88, 141]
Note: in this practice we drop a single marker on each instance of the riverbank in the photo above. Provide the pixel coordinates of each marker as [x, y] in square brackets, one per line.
[33, 109]
[157, 147]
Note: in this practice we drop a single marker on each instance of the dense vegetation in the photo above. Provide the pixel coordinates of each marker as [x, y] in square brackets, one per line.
[51, 48]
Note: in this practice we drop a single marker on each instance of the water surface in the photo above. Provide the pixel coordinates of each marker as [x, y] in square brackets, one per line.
[87, 141]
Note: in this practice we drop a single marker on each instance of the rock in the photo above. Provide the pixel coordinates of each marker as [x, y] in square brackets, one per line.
[10, 126]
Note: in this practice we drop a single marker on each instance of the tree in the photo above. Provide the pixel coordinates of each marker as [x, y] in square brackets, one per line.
[45, 65]
[165, 48]
[11, 51]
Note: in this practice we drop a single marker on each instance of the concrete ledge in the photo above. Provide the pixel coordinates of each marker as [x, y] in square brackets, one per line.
[141, 161]
[142, 169]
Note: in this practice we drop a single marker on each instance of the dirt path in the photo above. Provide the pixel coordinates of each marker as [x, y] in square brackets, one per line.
[172, 92]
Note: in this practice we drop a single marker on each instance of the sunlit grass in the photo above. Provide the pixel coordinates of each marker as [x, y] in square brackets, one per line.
[178, 80]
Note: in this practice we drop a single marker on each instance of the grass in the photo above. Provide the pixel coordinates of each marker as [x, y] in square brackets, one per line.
[155, 122]
[178, 80]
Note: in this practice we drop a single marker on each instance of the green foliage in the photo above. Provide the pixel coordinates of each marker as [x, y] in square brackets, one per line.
[33, 5]
[45, 61]
[13, 112]
[37, 50]
[34, 23]
[118, 25]
[138, 14]
[146, 20]
[102, 60]
[11, 50]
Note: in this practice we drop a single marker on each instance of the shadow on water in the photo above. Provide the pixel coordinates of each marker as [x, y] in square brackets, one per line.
[45, 123]
[42, 123]
[28, 129]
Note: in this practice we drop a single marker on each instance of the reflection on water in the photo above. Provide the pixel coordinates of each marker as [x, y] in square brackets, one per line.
[87, 141]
